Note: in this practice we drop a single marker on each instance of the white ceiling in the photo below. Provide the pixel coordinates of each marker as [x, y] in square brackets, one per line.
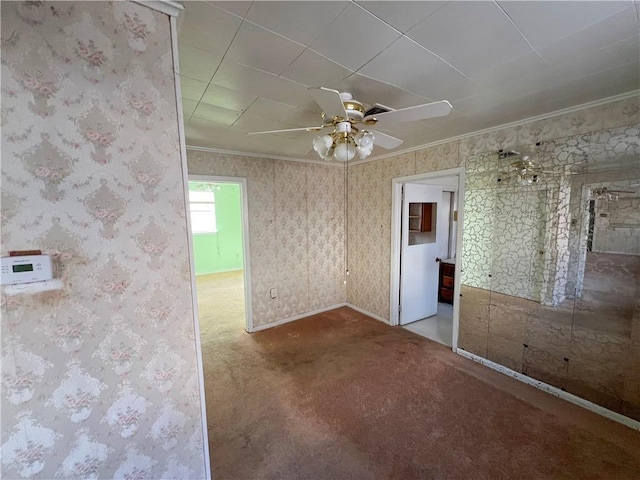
[246, 66]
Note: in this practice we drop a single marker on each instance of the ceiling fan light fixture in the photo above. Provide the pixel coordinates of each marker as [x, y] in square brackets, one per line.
[344, 150]
[322, 145]
[524, 180]
[364, 152]
[345, 114]
[365, 139]
[364, 143]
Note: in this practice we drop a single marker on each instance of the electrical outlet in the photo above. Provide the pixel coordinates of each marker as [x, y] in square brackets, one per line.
[273, 293]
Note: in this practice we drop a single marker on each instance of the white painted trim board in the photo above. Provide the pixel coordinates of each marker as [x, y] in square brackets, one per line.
[396, 210]
[194, 299]
[168, 7]
[605, 412]
[246, 251]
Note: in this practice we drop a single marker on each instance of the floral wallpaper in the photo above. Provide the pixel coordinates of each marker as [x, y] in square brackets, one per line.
[100, 378]
[296, 231]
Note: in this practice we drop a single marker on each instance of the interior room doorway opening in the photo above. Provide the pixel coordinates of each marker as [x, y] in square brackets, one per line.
[219, 238]
[426, 246]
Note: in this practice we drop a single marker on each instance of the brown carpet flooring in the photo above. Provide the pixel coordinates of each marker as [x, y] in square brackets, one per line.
[342, 396]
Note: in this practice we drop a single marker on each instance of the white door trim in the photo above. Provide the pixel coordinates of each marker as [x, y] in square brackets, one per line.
[246, 265]
[396, 210]
[173, 26]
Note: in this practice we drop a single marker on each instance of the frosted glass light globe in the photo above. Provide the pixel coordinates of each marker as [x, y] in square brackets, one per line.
[366, 140]
[344, 152]
[322, 144]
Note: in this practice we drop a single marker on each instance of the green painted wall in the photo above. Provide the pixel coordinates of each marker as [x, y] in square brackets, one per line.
[221, 251]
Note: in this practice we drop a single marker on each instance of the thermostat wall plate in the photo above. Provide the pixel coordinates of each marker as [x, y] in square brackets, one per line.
[26, 269]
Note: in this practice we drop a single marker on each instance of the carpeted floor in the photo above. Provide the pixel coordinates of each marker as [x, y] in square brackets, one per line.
[342, 396]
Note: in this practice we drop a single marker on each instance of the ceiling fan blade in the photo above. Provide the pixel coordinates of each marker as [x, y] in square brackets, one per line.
[330, 102]
[411, 114]
[385, 141]
[303, 129]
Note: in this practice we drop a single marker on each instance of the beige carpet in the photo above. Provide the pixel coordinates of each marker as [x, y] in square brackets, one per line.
[220, 304]
[342, 396]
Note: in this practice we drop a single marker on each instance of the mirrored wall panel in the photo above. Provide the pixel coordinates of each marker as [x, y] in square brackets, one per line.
[551, 264]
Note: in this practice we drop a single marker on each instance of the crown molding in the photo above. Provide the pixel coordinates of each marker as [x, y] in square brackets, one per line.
[262, 156]
[168, 7]
[564, 111]
[544, 116]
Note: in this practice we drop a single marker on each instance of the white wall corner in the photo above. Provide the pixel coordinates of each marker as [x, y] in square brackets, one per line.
[168, 7]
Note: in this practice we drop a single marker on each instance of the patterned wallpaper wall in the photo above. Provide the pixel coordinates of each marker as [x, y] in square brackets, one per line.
[370, 187]
[99, 379]
[296, 231]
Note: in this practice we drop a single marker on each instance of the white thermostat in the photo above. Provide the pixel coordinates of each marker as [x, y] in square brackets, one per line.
[26, 269]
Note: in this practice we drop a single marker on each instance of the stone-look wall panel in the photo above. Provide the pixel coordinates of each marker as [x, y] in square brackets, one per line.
[583, 343]
[546, 366]
[99, 379]
[631, 389]
[474, 320]
[296, 231]
[505, 351]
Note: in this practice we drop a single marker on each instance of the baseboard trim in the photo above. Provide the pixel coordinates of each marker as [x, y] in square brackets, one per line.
[282, 321]
[366, 312]
[605, 412]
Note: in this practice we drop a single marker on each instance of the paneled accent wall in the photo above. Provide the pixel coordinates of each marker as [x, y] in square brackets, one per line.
[296, 231]
[99, 379]
[578, 335]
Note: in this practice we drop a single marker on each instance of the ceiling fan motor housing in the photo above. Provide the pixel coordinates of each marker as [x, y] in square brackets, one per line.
[355, 110]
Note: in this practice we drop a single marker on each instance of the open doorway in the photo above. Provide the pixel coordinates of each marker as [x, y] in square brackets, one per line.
[218, 211]
[426, 226]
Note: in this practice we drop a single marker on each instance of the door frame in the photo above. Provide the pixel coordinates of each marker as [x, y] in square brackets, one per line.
[396, 213]
[246, 265]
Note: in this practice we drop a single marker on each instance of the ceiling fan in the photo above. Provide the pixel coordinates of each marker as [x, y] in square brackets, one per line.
[351, 124]
[607, 194]
[522, 171]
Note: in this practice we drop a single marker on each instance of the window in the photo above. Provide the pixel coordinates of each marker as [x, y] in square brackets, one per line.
[203, 211]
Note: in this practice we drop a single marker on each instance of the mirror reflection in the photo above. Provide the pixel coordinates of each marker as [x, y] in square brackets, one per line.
[551, 265]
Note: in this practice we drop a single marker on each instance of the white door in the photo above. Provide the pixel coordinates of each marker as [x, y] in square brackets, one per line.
[418, 253]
